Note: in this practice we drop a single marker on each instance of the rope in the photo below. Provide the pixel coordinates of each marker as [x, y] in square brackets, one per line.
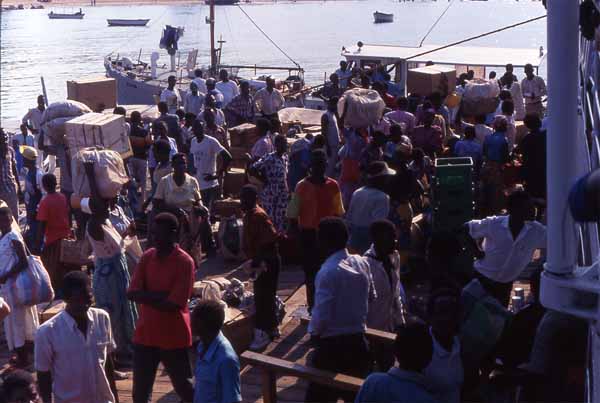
[436, 22]
[267, 36]
[477, 37]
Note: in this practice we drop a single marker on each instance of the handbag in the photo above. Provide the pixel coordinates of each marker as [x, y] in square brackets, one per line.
[32, 285]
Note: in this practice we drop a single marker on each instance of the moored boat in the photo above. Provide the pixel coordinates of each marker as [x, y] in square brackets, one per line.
[222, 2]
[66, 16]
[382, 17]
[127, 22]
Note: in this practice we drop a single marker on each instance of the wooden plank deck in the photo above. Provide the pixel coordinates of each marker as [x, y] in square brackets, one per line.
[290, 279]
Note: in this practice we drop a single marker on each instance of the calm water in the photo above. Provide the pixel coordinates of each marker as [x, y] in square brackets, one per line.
[312, 33]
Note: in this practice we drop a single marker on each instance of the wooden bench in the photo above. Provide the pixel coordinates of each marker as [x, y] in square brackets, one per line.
[373, 335]
[271, 367]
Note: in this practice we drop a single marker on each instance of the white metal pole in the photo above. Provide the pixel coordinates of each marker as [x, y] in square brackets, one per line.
[563, 85]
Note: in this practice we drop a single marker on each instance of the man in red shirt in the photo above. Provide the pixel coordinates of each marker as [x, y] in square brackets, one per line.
[162, 285]
[260, 246]
[54, 226]
[316, 197]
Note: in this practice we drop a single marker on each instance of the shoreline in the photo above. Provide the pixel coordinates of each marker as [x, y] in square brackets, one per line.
[99, 3]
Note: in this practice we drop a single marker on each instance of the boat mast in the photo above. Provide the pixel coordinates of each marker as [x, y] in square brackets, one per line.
[213, 51]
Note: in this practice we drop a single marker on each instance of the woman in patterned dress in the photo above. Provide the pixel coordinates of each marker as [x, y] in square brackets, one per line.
[275, 194]
[111, 276]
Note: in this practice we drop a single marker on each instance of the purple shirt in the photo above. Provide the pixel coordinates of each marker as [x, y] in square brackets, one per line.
[403, 118]
[428, 138]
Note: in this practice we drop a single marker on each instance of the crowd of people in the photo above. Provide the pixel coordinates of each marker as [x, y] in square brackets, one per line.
[346, 197]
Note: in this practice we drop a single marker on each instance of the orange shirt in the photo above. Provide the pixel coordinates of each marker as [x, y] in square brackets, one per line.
[311, 203]
[174, 275]
[54, 212]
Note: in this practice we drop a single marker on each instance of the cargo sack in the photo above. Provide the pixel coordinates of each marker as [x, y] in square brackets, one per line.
[55, 116]
[230, 238]
[109, 171]
[480, 88]
[364, 107]
[64, 110]
[32, 285]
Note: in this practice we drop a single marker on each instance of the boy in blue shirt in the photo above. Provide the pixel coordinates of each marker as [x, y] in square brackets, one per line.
[217, 371]
[405, 383]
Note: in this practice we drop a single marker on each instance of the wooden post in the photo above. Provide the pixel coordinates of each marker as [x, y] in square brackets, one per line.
[269, 386]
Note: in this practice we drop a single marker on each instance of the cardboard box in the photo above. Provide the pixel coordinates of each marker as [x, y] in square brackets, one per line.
[521, 131]
[244, 136]
[97, 129]
[227, 208]
[235, 179]
[426, 80]
[238, 153]
[149, 112]
[98, 93]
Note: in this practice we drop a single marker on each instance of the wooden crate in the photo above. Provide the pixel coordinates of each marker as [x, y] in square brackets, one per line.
[97, 129]
[98, 93]
[244, 136]
[227, 208]
[234, 180]
[72, 252]
[426, 80]
[55, 308]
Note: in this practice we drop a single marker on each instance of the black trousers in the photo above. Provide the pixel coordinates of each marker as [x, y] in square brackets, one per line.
[311, 261]
[145, 364]
[346, 354]
[265, 289]
[500, 291]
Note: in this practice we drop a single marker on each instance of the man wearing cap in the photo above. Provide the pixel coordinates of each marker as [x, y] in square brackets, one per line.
[10, 187]
[368, 204]
[33, 191]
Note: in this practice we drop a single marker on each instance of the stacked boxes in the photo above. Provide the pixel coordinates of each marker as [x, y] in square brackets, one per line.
[97, 93]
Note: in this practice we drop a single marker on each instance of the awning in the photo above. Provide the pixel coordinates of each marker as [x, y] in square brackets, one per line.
[455, 55]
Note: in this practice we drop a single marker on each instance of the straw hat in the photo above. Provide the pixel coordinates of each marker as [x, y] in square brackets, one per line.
[28, 152]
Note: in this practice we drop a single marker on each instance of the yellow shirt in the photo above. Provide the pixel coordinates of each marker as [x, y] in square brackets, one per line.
[183, 196]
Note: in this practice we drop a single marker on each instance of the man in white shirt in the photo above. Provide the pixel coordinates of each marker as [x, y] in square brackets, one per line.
[33, 121]
[205, 150]
[199, 81]
[385, 311]
[367, 205]
[194, 100]
[533, 88]
[211, 89]
[72, 350]
[331, 131]
[170, 95]
[228, 88]
[269, 100]
[344, 74]
[33, 118]
[509, 243]
[339, 316]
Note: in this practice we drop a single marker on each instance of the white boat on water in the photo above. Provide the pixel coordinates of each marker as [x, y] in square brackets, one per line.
[66, 16]
[127, 22]
[382, 17]
[142, 83]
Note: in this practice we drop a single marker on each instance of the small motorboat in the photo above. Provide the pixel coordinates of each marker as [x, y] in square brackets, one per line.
[222, 2]
[382, 17]
[66, 16]
[127, 23]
